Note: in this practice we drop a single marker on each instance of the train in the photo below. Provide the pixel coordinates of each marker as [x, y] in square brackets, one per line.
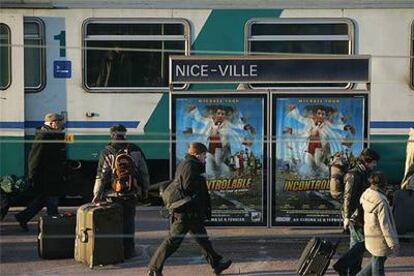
[100, 63]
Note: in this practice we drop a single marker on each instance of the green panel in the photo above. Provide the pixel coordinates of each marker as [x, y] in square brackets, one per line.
[223, 34]
[392, 149]
[12, 156]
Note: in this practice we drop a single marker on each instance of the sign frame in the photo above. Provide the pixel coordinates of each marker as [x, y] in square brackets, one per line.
[210, 68]
[265, 148]
[273, 108]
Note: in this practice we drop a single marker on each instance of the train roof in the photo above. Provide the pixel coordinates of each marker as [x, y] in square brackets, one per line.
[210, 4]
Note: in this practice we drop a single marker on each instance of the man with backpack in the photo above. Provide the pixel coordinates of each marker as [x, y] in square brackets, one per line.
[189, 216]
[46, 168]
[122, 177]
[355, 183]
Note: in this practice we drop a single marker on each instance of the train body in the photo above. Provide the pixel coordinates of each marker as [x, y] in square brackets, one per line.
[103, 62]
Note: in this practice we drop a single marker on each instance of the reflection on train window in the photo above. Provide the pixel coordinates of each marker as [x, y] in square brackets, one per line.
[300, 36]
[131, 55]
[5, 63]
[34, 55]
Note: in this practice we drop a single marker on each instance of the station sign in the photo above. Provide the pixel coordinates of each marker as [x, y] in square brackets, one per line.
[269, 69]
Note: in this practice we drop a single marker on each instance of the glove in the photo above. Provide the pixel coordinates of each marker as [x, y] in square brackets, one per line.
[96, 199]
[144, 195]
[346, 223]
[395, 250]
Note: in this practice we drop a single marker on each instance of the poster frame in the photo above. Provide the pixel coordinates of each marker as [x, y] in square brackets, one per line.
[272, 147]
[264, 94]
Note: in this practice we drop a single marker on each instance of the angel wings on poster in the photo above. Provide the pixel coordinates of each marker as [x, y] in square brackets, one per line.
[311, 131]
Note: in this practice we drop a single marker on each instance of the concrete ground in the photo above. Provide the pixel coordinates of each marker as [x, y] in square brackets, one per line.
[254, 250]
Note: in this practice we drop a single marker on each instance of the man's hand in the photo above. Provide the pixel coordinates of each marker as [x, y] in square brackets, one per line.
[144, 195]
[395, 250]
[346, 223]
[96, 199]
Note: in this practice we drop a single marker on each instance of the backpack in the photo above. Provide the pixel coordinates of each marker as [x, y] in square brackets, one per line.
[173, 195]
[124, 176]
[339, 165]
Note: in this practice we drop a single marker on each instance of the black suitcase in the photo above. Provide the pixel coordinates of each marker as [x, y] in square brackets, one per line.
[316, 257]
[56, 238]
[403, 209]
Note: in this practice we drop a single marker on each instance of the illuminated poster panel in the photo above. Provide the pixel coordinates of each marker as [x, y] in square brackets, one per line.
[233, 127]
[307, 131]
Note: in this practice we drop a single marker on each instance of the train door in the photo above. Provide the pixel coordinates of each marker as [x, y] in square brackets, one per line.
[46, 69]
[11, 94]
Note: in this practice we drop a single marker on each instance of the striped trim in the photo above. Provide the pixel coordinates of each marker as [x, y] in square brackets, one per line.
[392, 124]
[70, 124]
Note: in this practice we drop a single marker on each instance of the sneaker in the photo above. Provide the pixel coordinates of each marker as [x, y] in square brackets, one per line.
[22, 224]
[221, 266]
[153, 273]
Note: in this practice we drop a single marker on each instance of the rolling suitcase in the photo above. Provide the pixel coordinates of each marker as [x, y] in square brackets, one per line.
[403, 209]
[99, 234]
[56, 236]
[316, 257]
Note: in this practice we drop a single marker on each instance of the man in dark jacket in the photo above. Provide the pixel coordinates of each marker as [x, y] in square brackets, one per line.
[190, 217]
[105, 177]
[356, 182]
[46, 168]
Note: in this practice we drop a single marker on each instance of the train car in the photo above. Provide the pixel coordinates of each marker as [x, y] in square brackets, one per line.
[104, 62]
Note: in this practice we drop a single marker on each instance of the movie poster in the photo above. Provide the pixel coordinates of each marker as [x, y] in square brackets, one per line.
[233, 129]
[308, 131]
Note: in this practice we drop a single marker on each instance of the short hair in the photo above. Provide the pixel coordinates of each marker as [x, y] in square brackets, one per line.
[377, 178]
[369, 155]
[197, 148]
[118, 129]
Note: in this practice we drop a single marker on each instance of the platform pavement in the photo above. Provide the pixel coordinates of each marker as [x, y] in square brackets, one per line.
[254, 250]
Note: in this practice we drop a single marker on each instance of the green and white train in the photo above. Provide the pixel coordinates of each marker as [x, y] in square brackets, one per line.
[103, 62]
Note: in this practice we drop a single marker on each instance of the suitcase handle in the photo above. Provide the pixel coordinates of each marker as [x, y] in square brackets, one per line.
[84, 235]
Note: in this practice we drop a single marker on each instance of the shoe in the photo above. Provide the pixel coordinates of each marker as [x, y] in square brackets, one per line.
[153, 273]
[22, 224]
[221, 266]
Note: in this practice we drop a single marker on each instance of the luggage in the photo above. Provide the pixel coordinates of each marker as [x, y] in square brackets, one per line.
[403, 209]
[99, 234]
[316, 257]
[56, 238]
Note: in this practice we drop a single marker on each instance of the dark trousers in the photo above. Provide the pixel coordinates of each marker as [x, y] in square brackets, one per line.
[34, 207]
[351, 261]
[180, 226]
[128, 210]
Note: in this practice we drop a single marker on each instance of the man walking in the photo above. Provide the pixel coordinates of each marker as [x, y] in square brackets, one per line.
[122, 177]
[190, 217]
[356, 182]
[46, 166]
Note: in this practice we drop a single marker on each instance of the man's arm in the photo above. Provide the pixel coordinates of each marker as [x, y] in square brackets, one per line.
[349, 182]
[143, 174]
[103, 175]
[35, 157]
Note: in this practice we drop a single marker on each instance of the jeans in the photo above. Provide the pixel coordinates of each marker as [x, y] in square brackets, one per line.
[351, 261]
[37, 204]
[374, 268]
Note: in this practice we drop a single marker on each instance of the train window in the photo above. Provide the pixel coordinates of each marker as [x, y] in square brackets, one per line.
[34, 55]
[300, 36]
[131, 55]
[5, 56]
